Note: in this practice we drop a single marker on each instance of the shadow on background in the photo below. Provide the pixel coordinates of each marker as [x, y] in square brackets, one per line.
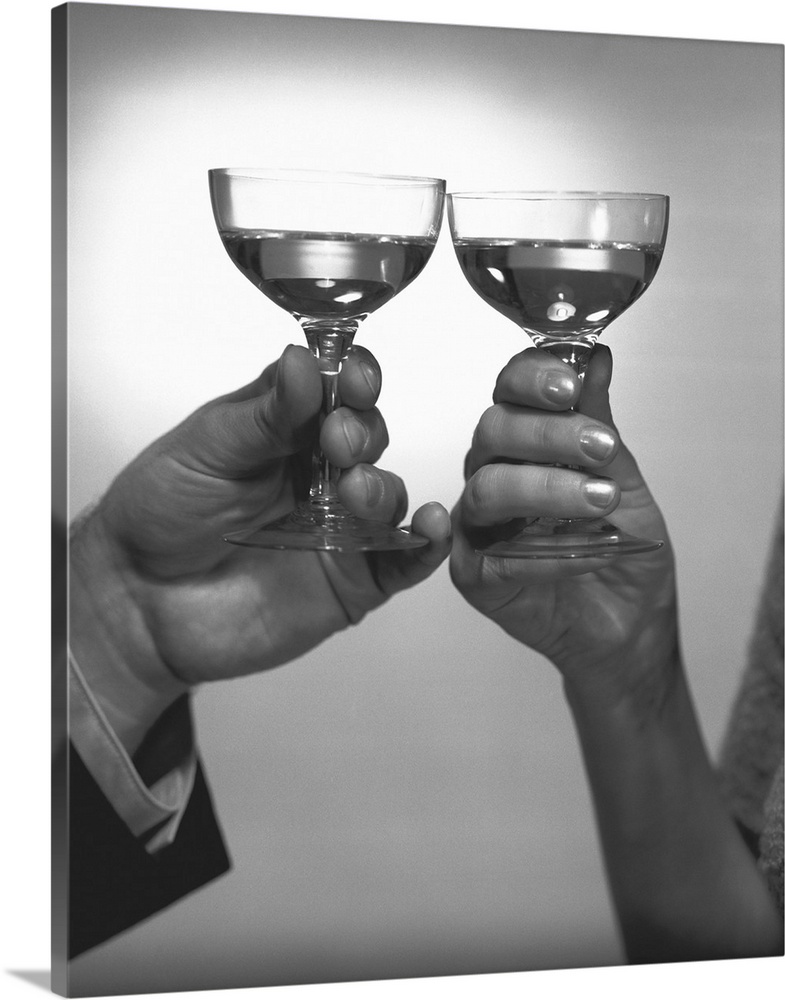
[38, 977]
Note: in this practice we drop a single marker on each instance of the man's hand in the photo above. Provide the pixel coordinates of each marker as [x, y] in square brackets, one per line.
[159, 597]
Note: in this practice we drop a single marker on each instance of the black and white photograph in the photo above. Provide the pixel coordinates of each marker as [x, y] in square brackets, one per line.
[417, 463]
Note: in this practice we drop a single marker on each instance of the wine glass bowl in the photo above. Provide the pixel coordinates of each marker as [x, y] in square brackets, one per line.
[330, 249]
[562, 266]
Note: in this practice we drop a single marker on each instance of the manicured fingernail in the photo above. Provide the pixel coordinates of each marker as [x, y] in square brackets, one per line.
[558, 388]
[356, 434]
[373, 488]
[597, 443]
[372, 376]
[599, 493]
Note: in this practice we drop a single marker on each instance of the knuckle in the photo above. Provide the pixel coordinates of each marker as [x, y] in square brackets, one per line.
[551, 431]
[509, 382]
[542, 432]
[393, 499]
[378, 436]
[488, 430]
[482, 486]
[379, 428]
[553, 481]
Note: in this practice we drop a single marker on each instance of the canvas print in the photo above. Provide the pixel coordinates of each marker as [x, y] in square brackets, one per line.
[417, 549]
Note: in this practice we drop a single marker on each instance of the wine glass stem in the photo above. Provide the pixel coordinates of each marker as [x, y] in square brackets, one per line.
[329, 344]
[575, 353]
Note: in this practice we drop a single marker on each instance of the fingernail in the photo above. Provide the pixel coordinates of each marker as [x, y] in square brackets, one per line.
[558, 388]
[599, 493]
[373, 488]
[596, 442]
[356, 434]
[372, 376]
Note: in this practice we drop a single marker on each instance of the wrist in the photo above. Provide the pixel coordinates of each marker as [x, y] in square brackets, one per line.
[633, 685]
[630, 659]
[110, 639]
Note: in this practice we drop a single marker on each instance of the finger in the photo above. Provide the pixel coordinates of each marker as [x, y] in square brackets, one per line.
[236, 435]
[524, 434]
[373, 493]
[499, 493]
[535, 378]
[360, 379]
[352, 436]
[397, 571]
[285, 397]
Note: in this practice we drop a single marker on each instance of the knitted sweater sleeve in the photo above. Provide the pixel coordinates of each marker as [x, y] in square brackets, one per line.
[751, 758]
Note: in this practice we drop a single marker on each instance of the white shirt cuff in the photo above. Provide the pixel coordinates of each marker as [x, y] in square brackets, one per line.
[151, 814]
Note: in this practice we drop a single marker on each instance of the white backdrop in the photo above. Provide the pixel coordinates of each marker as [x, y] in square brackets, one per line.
[409, 799]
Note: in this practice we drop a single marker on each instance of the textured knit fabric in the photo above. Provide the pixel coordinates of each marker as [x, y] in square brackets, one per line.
[751, 760]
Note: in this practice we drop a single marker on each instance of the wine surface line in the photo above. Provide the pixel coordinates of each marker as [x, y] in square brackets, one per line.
[327, 276]
[558, 289]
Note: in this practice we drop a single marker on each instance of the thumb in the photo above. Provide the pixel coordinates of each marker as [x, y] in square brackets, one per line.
[595, 401]
[271, 419]
[398, 571]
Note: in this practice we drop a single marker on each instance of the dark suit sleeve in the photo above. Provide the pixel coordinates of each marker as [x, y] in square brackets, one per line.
[103, 879]
[113, 883]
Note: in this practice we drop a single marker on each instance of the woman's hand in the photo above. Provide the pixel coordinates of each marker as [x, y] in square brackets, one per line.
[684, 885]
[593, 617]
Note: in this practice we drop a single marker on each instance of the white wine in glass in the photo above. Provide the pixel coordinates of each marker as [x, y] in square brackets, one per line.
[561, 265]
[329, 249]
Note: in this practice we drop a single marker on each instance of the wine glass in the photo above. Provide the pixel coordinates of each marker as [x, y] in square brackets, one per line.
[562, 265]
[329, 248]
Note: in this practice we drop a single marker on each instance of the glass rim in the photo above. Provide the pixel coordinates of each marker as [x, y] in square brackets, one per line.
[514, 195]
[297, 175]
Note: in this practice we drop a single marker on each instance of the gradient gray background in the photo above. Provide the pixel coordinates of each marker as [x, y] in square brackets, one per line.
[409, 799]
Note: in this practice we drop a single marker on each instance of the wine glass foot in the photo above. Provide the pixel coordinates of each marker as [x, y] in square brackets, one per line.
[551, 538]
[312, 532]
